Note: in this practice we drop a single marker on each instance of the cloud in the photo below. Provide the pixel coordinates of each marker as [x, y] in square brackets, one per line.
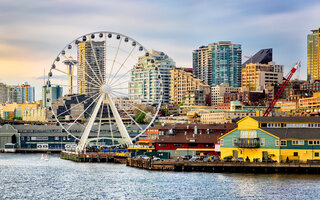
[32, 33]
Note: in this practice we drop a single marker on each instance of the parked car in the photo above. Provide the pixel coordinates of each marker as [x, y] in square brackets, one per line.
[207, 159]
[239, 159]
[215, 158]
[227, 159]
[154, 158]
[143, 157]
[194, 158]
[186, 157]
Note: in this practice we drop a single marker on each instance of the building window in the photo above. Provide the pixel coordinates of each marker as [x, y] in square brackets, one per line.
[177, 145]
[316, 154]
[283, 142]
[56, 138]
[297, 142]
[262, 142]
[234, 141]
[314, 142]
[283, 125]
[162, 145]
[295, 153]
[221, 142]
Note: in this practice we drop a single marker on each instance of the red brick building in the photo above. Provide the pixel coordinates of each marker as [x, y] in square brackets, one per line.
[247, 98]
[189, 139]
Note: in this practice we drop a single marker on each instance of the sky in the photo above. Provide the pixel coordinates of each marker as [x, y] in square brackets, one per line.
[33, 32]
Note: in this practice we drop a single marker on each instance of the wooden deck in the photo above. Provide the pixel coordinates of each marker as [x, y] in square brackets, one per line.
[243, 167]
[93, 157]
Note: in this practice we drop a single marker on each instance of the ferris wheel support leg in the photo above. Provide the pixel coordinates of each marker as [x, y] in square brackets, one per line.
[122, 129]
[86, 132]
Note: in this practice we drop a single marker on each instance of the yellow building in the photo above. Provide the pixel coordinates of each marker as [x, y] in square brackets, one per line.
[38, 114]
[314, 55]
[287, 106]
[186, 89]
[17, 109]
[311, 104]
[280, 139]
[254, 76]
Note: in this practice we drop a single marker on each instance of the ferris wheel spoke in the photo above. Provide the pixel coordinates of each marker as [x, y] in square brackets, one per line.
[91, 78]
[110, 125]
[101, 114]
[119, 83]
[77, 65]
[100, 82]
[77, 105]
[122, 129]
[132, 119]
[85, 110]
[95, 57]
[120, 88]
[105, 57]
[122, 64]
[119, 93]
[136, 107]
[123, 75]
[115, 57]
[59, 70]
[87, 130]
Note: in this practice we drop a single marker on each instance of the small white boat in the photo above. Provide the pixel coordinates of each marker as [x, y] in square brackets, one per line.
[46, 158]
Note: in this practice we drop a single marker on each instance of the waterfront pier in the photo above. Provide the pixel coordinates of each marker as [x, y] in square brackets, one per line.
[93, 157]
[235, 167]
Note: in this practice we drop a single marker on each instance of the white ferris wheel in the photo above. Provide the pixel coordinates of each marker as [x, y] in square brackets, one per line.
[104, 87]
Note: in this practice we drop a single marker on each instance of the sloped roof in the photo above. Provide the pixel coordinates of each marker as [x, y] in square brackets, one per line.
[192, 126]
[182, 138]
[294, 133]
[287, 119]
[263, 56]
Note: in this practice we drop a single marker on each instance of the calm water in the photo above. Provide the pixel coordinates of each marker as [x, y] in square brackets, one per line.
[26, 176]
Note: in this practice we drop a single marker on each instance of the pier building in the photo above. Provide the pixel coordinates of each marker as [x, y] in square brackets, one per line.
[278, 139]
[188, 139]
[33, 138]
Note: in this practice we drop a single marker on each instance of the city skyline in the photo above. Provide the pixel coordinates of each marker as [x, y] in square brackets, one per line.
[169, 26]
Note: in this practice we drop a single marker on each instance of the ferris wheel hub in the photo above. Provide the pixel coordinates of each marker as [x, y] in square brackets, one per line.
[106, 89]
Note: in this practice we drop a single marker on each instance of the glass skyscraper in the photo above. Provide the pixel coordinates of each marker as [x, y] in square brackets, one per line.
[50, 94]
[314, 55]
[218, 63]
[144, 82]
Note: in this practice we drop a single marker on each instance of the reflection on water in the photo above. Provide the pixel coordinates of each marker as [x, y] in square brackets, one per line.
[26, 176]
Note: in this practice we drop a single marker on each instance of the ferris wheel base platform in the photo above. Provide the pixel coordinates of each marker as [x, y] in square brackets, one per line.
[112, 157]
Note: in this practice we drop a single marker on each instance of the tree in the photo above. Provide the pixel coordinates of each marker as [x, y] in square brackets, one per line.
[139, 118]
[165, 112]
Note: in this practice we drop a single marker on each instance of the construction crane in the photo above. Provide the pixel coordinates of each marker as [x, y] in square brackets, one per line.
[277, 96]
